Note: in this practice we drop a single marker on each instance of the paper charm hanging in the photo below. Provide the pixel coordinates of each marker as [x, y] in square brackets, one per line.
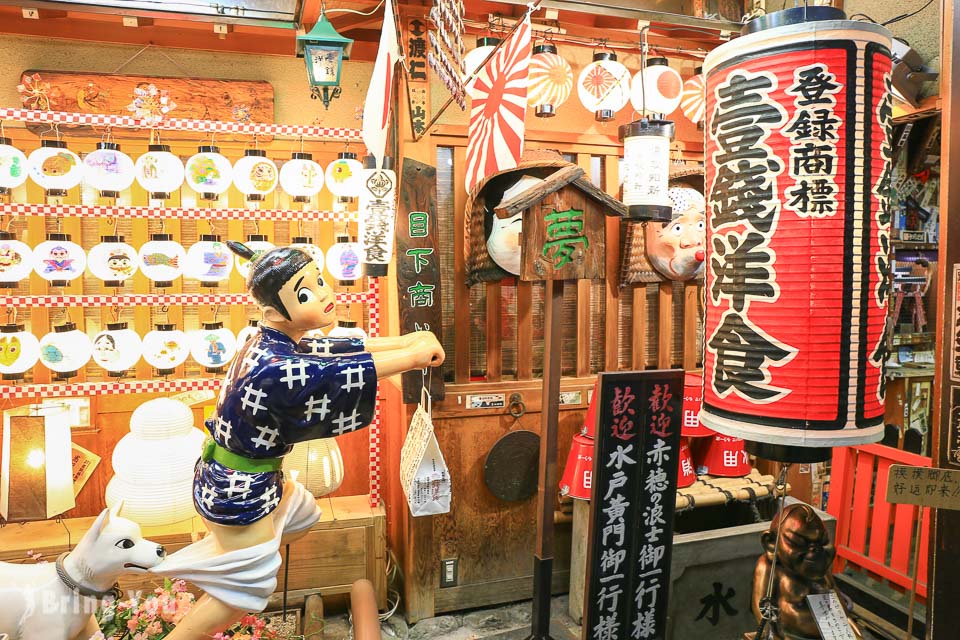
[604, 86]
[305, 244]
[19, 351]
[693, 98]
[16, 260]
[343, 260]
[259, 244]
[59, 260]
[159, 172]
[151, 105]
[208, 261]
[108, 170]
[113, 261]
[117, 348]
[255, 175]
[162, 259]
[213, 346]
[550, 80]
[344, 176]
[13, 166]
[55, 168]
[301, 177]
[208, 172]
[36, 93]
[165, 348]
[65, 350]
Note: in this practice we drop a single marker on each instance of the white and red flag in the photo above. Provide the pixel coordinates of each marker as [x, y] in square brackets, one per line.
[498, 109]
[376, 108]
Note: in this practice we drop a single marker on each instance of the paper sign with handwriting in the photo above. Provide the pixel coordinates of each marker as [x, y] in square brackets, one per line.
[831, 618]
[423, 472]
[925, 486]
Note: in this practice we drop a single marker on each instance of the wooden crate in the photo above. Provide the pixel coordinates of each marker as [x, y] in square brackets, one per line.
[349, 543]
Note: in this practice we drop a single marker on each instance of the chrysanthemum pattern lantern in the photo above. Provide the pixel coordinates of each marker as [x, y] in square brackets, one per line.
[108, 170]
[55, 167]
[255, 175]
[13, 166]
[693, 98]
[213, 346]
[117, 348]
[301, 177]
[550, 80]
[59, 260]
[165, 348]
[162, 259]
[159, 171]
[208, 172]
[65, 350]
[19, 351]
[604, 86]
[113, 261]
[16, 260]
[798, 121]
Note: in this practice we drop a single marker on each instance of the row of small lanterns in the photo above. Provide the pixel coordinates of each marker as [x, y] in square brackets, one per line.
[56, 169]
[118, 348]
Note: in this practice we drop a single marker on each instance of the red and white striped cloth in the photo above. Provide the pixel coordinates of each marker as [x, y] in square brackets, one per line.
[160, 300]
[374, 431]
[178, 213]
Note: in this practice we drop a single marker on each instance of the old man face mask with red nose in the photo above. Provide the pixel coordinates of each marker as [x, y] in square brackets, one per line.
[677, 248]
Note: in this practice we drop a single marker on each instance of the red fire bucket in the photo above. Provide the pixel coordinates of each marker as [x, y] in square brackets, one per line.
[578, 474]
[686, 476]
[590, 421]
[692, 399]
[723, 456]
[798, 121]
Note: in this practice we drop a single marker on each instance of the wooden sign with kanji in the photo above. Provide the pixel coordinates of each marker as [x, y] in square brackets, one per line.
[563, 234]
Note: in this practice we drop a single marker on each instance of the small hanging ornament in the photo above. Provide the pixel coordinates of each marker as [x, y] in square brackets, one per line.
[347, 329]
[255, 175]
[305, 244]
[550, 80]
[343, 260]
[604, 86]
[113, 261]
[656, 88]
[301, 177]
[159, 171]
[19, 351]
[59, 260]
[252, 328]
[55, 168]
[65, 350]
[208, 261]
[259, 244]
[209, 173]
[213, 346]
[165, 348]
[117, 349]
[13, 167]
[162, 259]
[108, 170]
[344, 175]
[16, 260]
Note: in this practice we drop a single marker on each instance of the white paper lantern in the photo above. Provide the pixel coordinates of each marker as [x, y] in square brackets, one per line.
[343, 260]
[255, 174]
[344, 176]
[165, 348]
[604, 86]
[550, 80]
[208, 172]
[213, 346]
[347, 329]
[113, 261]
[252, 328]
[65, 350]
[117, 348]
[259, 244]
[162, 259]
[646, 169]
[317, 465]
[473, 59]
[301, 177]
[108, 170]
[19, 351]
[159, 171]
[16, 260]
[305, 244]
[154, 464]
[59, 260]
[209, 261]
[13, 166]
[55, 168]
[657, 89]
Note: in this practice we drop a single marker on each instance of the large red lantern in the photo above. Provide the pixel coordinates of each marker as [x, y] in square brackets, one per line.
[798, 120]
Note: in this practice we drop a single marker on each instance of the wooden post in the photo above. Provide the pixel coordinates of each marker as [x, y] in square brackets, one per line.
[313, 622]
[578, 557]
[943, 616]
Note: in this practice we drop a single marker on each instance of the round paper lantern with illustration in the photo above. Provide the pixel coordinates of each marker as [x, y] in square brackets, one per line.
[693, 98]
[59, 260]
[305, 244]
[677, 249]
[253, 326]
[260, 244]
[113, 261]
[213, 346]
[16, 260]
[65, 350]
[797, 279]
[656, 89]
[165, 348]
[159, 171]
[162, 259]
[108, 170]
[549, 80]
[343, 260]
[301, 177]
[13, 166]
[347, 329]
[604, 86]
[255, 175]
[208, 261]
[344, 176]
[19, 351]
[208, 172]
[317, 465]
[117, 348]
[55, 168]
[153, 464]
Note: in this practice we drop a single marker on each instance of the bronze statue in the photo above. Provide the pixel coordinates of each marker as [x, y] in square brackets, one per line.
[804, 557]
